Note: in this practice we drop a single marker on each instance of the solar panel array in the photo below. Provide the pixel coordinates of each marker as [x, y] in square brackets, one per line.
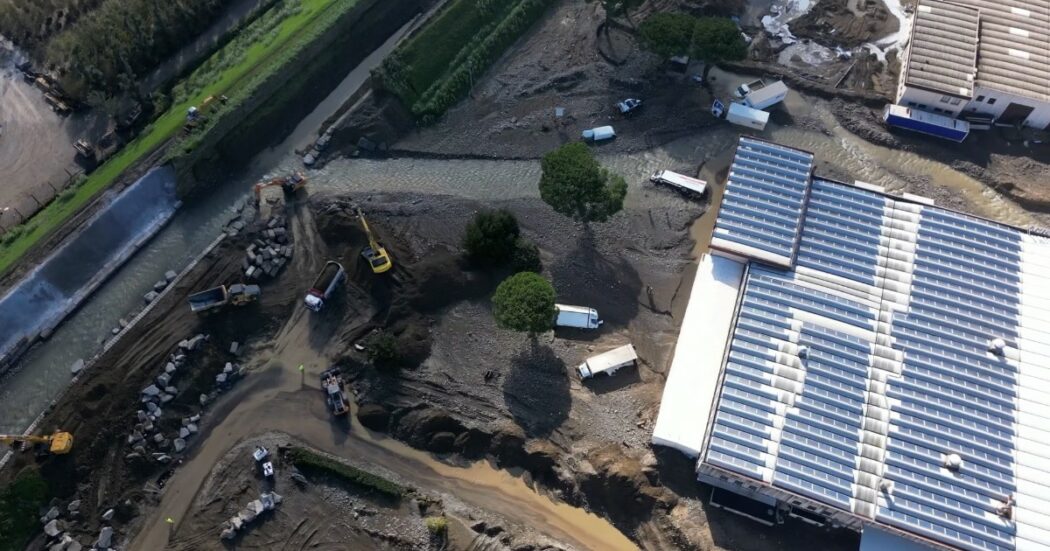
[852, 375]
[763, 202]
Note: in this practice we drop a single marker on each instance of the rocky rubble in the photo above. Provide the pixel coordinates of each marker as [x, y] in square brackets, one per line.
[271, 250]
[267, 501]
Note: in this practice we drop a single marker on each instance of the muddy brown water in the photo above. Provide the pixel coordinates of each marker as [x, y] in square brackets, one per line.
[273, 399]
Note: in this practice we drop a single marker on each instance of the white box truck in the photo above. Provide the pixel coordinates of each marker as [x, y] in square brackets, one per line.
[608, 363]
[600, 133]
[579, 317]
[745, 116]
[680, 182]
[759, 95]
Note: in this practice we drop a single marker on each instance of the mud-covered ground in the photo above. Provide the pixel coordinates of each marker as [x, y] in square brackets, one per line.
[845, 23]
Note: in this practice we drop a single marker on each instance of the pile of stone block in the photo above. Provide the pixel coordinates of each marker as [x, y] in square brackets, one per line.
[271, 250]
[267, 501]
[146, 439]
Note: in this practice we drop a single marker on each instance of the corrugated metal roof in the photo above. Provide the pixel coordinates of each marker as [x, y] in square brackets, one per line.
[762, 207]
[854, 373]
[943, 52]
[1012, 46]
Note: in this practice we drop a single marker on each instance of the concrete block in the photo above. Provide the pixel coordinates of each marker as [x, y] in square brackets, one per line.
[108, 515]
[235, 348]
[171, 390]
[170, 275]
[179, 445]
[163, 380]
[170, 368]
[151, 390]
[150, 297]
[77, 367]
[160, 285]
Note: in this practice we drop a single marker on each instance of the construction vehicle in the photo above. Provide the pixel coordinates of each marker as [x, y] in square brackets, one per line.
[289, 184]
[237, 295]
[377, 257]
[325, 285]
[59, 443]
[332, 384]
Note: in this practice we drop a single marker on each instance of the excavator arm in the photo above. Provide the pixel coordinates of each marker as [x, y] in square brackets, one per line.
[377, 257]
[58, 443]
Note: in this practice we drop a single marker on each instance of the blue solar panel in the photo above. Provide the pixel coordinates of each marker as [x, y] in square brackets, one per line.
[798, 421]
[764, 198]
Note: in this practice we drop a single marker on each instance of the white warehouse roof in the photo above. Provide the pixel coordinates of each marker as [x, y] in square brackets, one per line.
[857, 371]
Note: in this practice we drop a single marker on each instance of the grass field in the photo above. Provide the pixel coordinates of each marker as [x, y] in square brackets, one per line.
[20, 503]
[258, 58]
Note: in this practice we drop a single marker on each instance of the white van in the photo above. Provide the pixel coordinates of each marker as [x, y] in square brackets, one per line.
[608, 362]
[579, 317]
[680, 182]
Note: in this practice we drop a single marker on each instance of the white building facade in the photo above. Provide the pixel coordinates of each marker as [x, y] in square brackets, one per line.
[980, 58]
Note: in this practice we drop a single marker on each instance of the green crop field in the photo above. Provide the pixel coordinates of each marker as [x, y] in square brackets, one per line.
[436, 68]
[251, 63]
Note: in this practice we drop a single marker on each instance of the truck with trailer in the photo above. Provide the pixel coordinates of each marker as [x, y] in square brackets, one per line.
[692, 187]
[743, 115]
[760, 95]
[608, 363]
[331, 276]
[216, 297]
[930, 124]
[579, 317]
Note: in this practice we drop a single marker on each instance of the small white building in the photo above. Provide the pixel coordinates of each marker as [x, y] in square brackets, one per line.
[980, 58]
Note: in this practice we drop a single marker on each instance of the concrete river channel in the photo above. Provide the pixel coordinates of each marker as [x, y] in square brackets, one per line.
[45, 370]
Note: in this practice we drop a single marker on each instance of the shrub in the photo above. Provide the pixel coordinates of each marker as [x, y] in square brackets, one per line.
[524, 302]
[526, 257]
[20, 503]
[574, 184]
[437, 525]
[491, 237]
[307, 459]
[383, 350]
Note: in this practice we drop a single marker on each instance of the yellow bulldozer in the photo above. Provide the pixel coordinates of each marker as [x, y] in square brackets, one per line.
[59, 443]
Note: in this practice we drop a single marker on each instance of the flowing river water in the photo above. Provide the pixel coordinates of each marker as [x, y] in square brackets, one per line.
[45, 370]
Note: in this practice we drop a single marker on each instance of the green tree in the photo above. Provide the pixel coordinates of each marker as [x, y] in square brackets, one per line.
[668, 34]
[709, 38]
[524, 302]
[718, 39]
[574, 184]
[383, 350]
[491, 237]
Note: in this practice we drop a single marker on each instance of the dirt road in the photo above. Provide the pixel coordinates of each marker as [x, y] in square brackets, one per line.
[280, 398]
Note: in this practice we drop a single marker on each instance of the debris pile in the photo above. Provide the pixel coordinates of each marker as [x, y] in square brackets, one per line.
[159, 287]
[267, 255]
[146, 434]
[267, 501]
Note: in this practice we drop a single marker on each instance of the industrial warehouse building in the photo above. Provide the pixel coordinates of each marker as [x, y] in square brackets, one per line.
[980, 58]
[866, 360]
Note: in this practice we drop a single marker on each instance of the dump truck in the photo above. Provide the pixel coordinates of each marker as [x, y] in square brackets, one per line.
[216, 297]
[608, 363]
[332, 384]
[579, 317]
[325, 285]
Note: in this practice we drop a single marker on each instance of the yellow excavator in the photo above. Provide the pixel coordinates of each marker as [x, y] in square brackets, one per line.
[374, 253]
[59, 443]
